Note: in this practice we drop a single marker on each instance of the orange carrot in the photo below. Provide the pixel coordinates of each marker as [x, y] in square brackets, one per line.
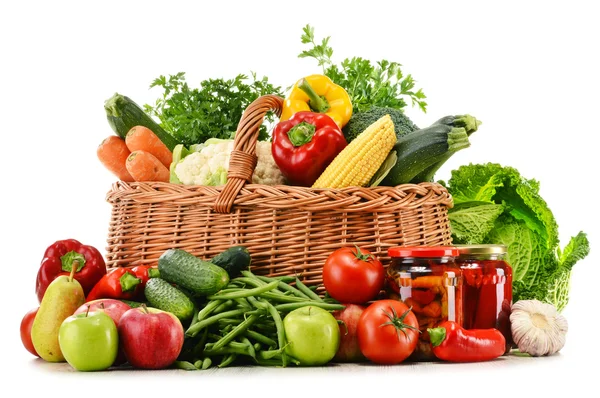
[140, 138]
[112, 153]
[144, 166]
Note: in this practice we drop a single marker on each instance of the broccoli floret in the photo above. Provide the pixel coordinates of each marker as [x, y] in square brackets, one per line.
[361, 120]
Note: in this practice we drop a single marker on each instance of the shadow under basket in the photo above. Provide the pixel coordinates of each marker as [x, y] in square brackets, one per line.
[288, 230]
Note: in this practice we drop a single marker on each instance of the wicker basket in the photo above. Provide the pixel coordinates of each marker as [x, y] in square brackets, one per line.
[288, 230]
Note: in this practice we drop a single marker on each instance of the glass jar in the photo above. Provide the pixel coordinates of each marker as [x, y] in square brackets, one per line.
[487, 288]
[428, 280]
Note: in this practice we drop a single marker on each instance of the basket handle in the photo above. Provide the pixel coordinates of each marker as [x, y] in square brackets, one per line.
[243, 157]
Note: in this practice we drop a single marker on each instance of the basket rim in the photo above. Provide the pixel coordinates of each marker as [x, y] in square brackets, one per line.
[351, 199]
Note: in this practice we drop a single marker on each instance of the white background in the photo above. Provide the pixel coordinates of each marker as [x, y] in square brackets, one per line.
[528, 70]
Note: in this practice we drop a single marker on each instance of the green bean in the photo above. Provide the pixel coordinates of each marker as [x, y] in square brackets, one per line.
[255, 282]
[239, 329]
[243, 303]
[282, 298]
[240, 349]
[249, 275]
[244, 292]
[302, 287]
[229, 321]
[206, 363]
[261, 338]
[233, 344]
[223, 306]
[291, 289]
[207, 310]
[257, 347]
[200, 344]
[226, 329]
[278, 323]
[271, 354]
[198, 326]
[228, 360]
[252, 281]
[185, 365]
[292, 306]
[195, 317]
[251, 347]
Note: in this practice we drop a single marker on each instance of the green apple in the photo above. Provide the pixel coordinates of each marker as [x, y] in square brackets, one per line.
[89, 341]
[313, 335]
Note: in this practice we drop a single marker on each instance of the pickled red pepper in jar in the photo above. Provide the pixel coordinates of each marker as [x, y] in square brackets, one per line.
[487, 288]
[427, 279]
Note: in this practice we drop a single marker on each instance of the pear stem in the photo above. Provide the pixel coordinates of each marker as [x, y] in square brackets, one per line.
[73, 268]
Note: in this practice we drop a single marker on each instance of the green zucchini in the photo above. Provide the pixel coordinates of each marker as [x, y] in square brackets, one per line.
[166, 297]
[421, 149]
[199, 277]
[469, 123]
[233, 260]
[123, 114]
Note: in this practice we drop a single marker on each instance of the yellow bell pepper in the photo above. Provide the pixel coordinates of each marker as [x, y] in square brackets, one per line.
[317, 93]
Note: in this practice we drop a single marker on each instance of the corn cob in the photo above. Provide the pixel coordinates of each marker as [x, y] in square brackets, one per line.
[358, 162]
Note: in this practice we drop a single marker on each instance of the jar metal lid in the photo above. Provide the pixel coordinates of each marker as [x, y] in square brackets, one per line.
[423, 251]
[481, 249]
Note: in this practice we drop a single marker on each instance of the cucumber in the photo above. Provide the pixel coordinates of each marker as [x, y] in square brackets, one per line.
[123, 114]
[233, 260]
[200, 277]
[164, 296]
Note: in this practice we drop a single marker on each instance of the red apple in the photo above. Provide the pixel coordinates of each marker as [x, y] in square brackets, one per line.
[349, 351]
[151, 338]
[113, 308]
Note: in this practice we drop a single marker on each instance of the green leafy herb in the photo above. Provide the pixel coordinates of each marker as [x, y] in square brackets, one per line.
[380, 84]
[213, 110]
[495, 204]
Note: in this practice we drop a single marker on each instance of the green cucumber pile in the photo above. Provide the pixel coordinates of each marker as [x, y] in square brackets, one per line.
[229, 314]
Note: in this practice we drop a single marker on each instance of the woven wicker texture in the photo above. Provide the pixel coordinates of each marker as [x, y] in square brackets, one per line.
[288, 230]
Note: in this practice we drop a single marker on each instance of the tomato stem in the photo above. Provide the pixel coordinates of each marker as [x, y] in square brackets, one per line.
[398, 321]
[362, 256]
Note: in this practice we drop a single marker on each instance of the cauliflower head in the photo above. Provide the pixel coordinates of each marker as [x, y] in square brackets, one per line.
[208, 163]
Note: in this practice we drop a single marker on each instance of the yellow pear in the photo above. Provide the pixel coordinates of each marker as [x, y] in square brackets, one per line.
[63, 296]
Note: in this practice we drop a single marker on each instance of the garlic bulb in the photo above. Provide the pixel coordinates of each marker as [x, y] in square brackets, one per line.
[537, 328]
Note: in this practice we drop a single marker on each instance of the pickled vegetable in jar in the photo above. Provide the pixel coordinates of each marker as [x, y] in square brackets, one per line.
[427, 279]
[487, 288]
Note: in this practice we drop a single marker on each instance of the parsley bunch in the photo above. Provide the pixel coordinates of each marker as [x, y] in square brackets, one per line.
[381, 84]
[213, 110]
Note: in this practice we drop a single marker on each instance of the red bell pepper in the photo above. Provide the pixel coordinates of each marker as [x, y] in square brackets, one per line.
[60, 258]
[304, 145]
[123, 283]
[451, 342]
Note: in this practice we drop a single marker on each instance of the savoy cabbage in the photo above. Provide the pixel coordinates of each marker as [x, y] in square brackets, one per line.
[495, 204]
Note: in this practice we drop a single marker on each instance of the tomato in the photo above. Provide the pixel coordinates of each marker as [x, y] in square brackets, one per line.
[353, 275]
[26, 324]
[388, 332]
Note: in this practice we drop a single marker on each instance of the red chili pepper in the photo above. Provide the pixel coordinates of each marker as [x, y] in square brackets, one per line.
[60, 258]
[304, 145]
[119, 283]
[145, 272]
[450, 342]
